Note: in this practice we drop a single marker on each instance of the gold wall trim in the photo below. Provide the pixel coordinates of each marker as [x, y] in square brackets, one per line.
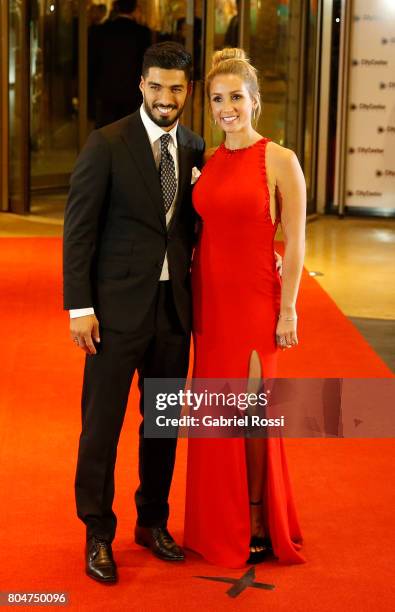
[342, 110]
[209, 48]
[324, 106]
[4, 105]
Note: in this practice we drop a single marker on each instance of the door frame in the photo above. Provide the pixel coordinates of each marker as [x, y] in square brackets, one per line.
[244, 42]
[324, 107]
[21, 204]
[18, 200]
[4, 105]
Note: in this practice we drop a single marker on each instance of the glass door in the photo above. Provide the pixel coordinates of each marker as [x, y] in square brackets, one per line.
[309, 113]
[283, 41]
[18, 108]
[53, 34]
[49, 85]
[43, 70]
[4, 21]
[281, 37]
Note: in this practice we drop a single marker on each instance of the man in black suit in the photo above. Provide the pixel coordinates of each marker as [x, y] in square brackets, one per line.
[115, 54]
[128, 237]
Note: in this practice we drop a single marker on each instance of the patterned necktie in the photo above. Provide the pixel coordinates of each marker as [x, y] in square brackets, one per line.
[167, 173]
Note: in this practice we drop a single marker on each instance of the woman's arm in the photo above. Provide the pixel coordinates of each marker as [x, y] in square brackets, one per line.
[292, 190]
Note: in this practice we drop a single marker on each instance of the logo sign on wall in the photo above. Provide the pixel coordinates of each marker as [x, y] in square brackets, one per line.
[370, 169]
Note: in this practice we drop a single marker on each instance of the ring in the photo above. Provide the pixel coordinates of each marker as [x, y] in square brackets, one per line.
[75, 340]
[283, 341]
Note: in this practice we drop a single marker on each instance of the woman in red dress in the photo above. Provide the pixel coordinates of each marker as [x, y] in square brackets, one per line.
[239, 503]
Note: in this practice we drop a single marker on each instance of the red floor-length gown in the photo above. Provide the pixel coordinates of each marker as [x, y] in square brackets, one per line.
[236, 298]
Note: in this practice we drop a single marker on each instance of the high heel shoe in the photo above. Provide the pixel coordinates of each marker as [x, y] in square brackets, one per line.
[261, 544]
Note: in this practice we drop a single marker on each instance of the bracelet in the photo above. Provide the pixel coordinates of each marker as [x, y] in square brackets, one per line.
[288, 318]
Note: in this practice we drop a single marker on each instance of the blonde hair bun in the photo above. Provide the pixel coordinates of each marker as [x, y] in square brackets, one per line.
[229, 53]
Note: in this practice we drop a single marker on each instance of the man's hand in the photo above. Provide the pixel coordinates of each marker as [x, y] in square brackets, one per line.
[83, 331]
[279, 263]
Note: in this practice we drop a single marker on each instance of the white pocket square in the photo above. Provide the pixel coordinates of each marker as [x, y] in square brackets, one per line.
[195, 175]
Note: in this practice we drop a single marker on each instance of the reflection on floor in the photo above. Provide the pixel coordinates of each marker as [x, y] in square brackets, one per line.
[356, 259]
[380, 334]
[354, 256]
[46, 218]
[49, 206]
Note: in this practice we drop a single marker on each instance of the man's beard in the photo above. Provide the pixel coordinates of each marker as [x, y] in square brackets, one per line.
[164, 121]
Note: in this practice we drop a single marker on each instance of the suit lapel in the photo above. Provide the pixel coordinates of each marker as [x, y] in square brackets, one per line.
[184, 169]
[184, 172]
[139, 146]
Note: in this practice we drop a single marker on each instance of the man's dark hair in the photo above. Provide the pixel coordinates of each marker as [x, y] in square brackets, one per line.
[170, 56]
[126, 6]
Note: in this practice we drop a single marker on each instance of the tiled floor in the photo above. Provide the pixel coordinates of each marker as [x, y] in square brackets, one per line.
[357, 259]
[380, 333]
[46, 218]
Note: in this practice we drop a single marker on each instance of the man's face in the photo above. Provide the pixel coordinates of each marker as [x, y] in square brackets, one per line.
[165, 93]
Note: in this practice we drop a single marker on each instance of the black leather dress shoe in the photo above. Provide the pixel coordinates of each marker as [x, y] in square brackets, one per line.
[160, 542]
[100, 564]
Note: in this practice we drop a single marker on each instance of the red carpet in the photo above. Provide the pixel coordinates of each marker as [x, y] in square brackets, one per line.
[344, 488]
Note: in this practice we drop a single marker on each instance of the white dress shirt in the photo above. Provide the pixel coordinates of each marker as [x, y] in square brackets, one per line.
[154, 133]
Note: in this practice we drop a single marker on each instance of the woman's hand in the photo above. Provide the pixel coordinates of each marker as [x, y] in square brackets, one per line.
[286, 334]
[279, 263]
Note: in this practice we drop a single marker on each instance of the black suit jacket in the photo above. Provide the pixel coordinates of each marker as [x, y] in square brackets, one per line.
[115, 235]
[115, 56]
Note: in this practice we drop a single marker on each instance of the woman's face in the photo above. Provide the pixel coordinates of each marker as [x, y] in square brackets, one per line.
[231, 102]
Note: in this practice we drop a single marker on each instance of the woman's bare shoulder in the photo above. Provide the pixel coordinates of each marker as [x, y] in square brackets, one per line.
[280, 161]
[278, 153]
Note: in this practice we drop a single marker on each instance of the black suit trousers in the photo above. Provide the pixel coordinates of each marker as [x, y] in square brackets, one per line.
[160, 349]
